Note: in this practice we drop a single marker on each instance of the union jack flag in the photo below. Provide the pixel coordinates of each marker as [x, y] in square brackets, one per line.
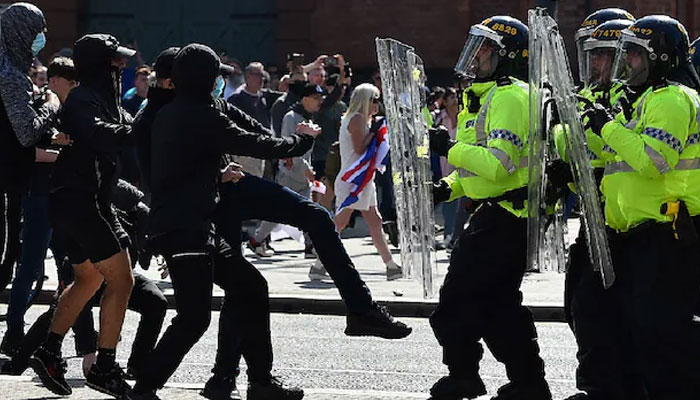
[361, 172]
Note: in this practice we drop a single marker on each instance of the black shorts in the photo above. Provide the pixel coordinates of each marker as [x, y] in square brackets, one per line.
[90, 228]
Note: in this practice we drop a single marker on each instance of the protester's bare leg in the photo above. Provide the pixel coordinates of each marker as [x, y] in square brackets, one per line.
[116, 271]
[342, 219]
[327, 198]
[374, 220]
[87, 280]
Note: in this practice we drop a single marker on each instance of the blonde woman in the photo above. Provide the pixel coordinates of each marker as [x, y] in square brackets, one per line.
[355, 136]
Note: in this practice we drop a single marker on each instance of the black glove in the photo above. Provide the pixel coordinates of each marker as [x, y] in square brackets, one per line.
[597, 117]
[440, 141]
[559, 173]
[441, 192]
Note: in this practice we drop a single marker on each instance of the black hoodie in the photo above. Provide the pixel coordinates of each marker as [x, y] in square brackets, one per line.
[189, 137]
[95, 121]
[22, 123]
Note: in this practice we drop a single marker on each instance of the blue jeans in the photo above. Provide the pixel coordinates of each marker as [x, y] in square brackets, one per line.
[36, 235]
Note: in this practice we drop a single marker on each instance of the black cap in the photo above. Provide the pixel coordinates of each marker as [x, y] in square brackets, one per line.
[310, 90]
[102, 45]
[164, 63]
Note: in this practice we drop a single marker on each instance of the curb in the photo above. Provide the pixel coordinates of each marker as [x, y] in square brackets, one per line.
[334, 306]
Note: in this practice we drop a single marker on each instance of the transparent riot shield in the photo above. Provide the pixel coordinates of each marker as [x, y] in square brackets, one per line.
[403, 78]
[555, 77]
[537, 142]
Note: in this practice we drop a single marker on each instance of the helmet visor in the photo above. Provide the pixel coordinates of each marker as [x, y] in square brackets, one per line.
[481, 43]
[598, 60]
[581, 36]
[631, 66]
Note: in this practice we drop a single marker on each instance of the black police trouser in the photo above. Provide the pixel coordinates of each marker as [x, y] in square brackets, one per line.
[658, 278]
[10, 226]
[604, 369]
[481, 298]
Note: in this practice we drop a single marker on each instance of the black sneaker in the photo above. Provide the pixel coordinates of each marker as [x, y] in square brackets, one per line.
[11, 367]
[275, 389]
[11, 343]
[51, 369]
[218, 388]
[376, 322]
[110, 382]
[150, 395]
[537, 390]
[579, 396]
[454, 388]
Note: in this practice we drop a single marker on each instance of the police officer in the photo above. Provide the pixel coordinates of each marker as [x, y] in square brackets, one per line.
[587, 303]
[480, 297]
[647, 210]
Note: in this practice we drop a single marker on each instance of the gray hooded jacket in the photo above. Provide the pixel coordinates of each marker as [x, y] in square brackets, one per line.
[22, 124]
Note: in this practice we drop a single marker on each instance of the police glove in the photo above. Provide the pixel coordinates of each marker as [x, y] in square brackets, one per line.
[597, 117]
[559, 173]
[440, 141]
[441, 192]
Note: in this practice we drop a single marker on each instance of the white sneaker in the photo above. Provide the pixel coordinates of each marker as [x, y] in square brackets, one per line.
[261, 251]
[318, 272]
[393, 271]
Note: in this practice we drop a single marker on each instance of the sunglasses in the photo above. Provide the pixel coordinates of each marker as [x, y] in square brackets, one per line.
[375, 101]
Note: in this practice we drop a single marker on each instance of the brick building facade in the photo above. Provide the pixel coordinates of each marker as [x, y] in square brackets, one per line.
[437, 28]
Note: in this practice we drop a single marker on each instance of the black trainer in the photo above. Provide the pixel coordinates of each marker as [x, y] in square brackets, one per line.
[111, 382]
[275, 389]
[51, 368]
[454, 388]
[11, 343]
[221, 388]
[149, 395]
[11, 367]
[537, 390]
[376, 322]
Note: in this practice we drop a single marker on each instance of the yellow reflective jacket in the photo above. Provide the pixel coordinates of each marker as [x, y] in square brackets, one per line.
[637, 182]
[491, 150]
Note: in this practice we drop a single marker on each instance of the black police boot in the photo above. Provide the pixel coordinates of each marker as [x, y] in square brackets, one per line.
[274, 389]
[111, 382]
[538, 390]
[457, 388]
[221, 388]
[376, 322]
[51, 369]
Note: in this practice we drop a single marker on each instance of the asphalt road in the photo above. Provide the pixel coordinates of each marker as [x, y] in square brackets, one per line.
[312, 352]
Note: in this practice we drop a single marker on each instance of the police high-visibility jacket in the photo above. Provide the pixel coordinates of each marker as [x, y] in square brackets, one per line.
[647, 148]
[491, 150]
[598, 152]
[685, 182]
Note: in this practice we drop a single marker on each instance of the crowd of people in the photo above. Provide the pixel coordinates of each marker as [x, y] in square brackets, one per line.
[202, 157]
[107, 178]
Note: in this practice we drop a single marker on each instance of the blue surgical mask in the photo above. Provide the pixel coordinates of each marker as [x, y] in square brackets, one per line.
[219, 89]
[38, 43]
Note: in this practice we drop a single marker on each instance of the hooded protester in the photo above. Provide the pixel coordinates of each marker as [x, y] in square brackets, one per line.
[23, 121]
[81, 210]
[188, 139]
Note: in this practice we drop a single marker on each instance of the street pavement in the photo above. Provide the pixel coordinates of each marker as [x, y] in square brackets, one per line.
[292, 291]
[312, 352]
